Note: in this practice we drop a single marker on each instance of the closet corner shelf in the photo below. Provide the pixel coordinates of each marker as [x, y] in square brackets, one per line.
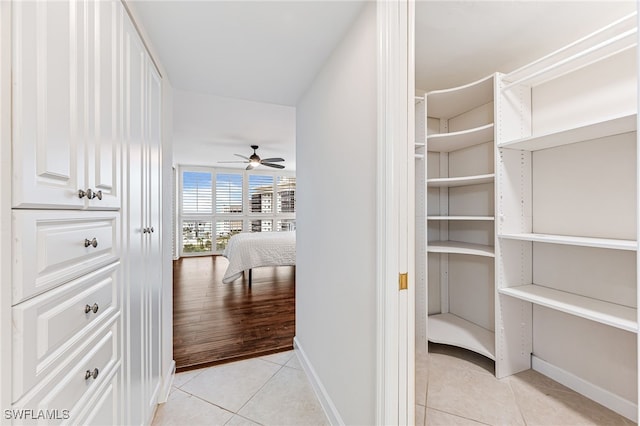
[456, 247]
[460, 181]
[453, 330]
[618, 316]
[451, 102]
[575, 241]
[610, 127]
[447, 142]
[460, 218]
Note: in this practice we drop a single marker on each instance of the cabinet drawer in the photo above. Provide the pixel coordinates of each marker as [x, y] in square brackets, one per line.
[67, 391]
[50, 247]
[104, 408]
[49, 326]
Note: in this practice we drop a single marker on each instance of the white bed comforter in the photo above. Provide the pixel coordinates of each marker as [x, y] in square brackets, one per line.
[250, 250]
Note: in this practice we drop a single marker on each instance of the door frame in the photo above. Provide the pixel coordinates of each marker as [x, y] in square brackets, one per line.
[395, 252]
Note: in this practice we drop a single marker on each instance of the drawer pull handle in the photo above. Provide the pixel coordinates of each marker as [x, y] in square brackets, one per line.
[94, 194]
[93, 243]
[93, 308]
[81, 193]
[151, 229]
[89, 374]
[145, 230]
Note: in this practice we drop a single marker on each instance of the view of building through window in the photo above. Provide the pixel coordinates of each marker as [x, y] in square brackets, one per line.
[235, 202]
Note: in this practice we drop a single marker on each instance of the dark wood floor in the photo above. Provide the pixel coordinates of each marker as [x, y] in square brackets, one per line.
[215, 322]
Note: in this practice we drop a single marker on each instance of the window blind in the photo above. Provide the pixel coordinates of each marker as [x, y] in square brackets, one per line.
[196, 193]
[228, 193]
[286, 199]
[261, 193]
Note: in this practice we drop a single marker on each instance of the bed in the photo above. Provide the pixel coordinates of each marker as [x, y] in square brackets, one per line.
[249, 250]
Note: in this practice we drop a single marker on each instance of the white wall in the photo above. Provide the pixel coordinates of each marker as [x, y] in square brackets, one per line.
[336, 222]
[209, 128]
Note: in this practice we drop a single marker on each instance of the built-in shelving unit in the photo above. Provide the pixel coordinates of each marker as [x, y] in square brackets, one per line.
[461, 181]
[567, 220]
[472, 218]
[453, 330]
[611, 314]
[447, 142]
[609, 127]
[459, 214]
[607, 243]
[457, 247]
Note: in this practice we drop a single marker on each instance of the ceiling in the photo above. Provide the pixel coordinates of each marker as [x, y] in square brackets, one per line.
[458, 42]
[266, 51]
[269, 52]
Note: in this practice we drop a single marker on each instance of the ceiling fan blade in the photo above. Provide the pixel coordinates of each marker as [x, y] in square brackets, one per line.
[232, 161]
[272, 160]
[242, 156]
[277, 166]
[250, 167]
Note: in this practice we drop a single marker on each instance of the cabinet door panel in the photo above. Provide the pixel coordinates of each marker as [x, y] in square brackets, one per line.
[135, 283]
[48, 93]
[154, 247]
[104, 133]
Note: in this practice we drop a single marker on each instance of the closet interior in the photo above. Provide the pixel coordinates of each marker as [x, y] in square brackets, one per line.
[526, 217]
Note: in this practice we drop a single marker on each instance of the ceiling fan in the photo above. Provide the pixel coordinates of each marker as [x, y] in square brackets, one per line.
[254, 160]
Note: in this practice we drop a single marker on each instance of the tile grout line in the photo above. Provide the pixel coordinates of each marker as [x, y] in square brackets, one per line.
[261, 387]
[458, 416]
[524, 420]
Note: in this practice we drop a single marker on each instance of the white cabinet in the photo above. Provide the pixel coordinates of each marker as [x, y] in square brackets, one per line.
[567, 217]
[459, 186]
[66, 120]
[141, 228]
[86, 217]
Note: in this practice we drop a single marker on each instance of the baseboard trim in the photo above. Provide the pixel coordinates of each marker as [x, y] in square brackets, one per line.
[602, 396]
[167, 382]
[325, 400]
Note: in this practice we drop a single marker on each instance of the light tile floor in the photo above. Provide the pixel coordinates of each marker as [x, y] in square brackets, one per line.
[453, 387]
[269, 390]
[458, 387]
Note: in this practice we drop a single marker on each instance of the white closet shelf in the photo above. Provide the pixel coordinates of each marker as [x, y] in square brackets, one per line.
[609, 127]
[575, 241]
[460, 218]
[449, 103]
[447, 142]
[457, 247]
[419, 144]
[453, 330]
[611, 314]
[461, 181]
[604, 43]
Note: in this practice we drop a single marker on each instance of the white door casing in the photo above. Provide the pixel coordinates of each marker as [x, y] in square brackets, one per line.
[395, 396]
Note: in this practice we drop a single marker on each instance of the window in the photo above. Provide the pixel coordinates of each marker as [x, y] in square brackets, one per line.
[225, 229]
[228, 193]
[216, 203]
[196, 193]
[261, 193]
[286, 194]
[196, 236]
